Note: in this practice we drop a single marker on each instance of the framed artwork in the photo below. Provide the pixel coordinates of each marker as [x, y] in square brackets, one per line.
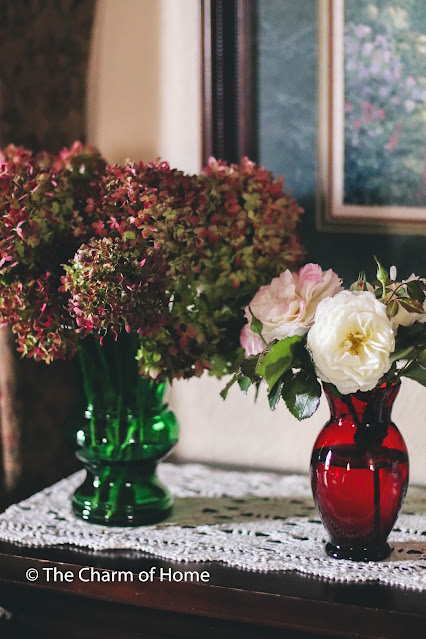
[372, 116]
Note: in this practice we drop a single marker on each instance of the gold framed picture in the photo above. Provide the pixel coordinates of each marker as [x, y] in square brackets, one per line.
[372, 116]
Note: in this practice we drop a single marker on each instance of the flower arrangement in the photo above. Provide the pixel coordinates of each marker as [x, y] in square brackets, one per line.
[303, 327]
[90, 248]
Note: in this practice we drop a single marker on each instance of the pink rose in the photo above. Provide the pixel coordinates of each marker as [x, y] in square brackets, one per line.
[287, 306]
[251, 342]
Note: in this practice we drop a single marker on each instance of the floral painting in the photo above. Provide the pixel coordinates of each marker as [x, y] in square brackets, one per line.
[385, 108]
[372, 101]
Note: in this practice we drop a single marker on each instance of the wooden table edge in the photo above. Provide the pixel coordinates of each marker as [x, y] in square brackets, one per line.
[220, 602]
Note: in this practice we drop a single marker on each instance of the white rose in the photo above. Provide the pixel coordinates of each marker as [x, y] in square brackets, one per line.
[351, 341]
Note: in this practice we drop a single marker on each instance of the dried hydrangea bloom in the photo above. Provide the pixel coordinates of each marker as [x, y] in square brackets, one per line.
[220, 235]
[43, 224]
[238, 232]
[114, 286]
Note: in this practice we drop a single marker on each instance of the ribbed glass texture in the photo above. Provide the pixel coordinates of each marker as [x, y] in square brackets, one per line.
[127, 430]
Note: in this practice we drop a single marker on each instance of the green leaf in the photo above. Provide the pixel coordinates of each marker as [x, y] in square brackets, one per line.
[416, 372]
[401, 292]
[401, 353]
[415, 291]
[412, 306]
[301, 393]
[275, 394]
[332, 390]
[256, 326]
[277, 360]
[248, 367]
[257, 384]
[392, 309]
[390, 376]
[224, 392]
[414, 335]
[302, 359]
[244, 383]
[421, 358]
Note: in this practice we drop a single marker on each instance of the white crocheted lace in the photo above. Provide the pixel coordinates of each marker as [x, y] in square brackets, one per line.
[252, 520]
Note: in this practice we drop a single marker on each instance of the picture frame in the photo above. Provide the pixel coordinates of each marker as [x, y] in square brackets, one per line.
[388, 189]
[228, 79]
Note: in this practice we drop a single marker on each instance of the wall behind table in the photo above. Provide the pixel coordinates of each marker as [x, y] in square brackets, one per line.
[240, 431]
[143, 81]
[144, 101]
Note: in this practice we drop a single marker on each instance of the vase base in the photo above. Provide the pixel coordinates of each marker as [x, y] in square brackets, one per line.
[122, 495]
[147, 517]
[373, 552]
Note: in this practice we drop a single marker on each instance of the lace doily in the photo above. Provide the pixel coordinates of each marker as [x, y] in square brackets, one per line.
[252, 520]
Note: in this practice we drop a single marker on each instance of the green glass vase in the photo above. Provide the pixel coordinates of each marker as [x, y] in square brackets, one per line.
[127, 429]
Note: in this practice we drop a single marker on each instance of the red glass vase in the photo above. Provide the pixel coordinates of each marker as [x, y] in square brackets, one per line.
[359, 474]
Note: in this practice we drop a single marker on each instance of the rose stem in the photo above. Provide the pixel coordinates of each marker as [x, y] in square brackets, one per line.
[376, 478]
[376, 520]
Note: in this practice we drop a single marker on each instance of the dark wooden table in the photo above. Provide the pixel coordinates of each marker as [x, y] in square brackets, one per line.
[232, 604]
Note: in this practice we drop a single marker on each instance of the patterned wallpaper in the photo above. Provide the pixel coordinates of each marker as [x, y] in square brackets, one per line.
[44, 50]
[44, 47]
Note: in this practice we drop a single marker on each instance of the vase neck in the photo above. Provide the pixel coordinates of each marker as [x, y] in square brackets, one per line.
[111, 377]
[376, 404]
